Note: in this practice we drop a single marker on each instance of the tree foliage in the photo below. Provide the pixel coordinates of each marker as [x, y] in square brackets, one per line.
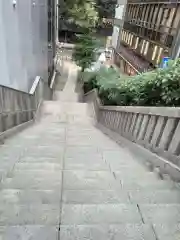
[106, 8]
[160, 87]
[84, 15]
[81, 12]
[84, 52]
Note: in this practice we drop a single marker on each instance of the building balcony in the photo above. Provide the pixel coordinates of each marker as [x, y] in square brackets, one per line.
[159, 34]
[138, 62]
[152, 1]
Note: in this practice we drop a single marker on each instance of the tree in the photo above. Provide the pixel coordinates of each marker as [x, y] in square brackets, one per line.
[81, 12]
[106, 8]
[84, 52]
[84, 15]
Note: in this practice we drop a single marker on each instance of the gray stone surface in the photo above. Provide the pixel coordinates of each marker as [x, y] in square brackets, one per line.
[160, 213]
[105, 232]
[95, 197]
[28, 233]
[65, 172]
[41, 160]
[167, 231]
[33, 182]
[35, 214]
[100, 213]
[90, 180]
[29, 196]
[155, 197]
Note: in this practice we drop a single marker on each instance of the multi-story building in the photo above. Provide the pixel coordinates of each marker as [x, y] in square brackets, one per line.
[52, 7]
[150, 33]
[24, 42]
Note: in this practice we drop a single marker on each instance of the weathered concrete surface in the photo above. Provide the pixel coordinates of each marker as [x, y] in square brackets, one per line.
[64, 179]
[155, 128]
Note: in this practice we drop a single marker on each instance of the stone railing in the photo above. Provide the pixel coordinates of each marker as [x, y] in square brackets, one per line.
[18, 107]
[92, 98]
[155, 128]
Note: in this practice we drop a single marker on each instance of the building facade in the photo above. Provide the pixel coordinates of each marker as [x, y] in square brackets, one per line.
[23, 42]
[150, 33]
[51, 36]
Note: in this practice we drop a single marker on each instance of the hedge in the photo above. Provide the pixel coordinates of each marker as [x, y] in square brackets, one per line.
[160, 87]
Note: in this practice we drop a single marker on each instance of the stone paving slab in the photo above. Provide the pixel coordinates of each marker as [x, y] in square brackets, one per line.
[118, 157]
[15, 152]
[94, 197]
[155, 197]
[51, 141]
[20, 182]
[136, 175]
[107, 232]
[29, 233]
[160, 213]
[31, 175]
[18, 143]
[91, 141]
[7, 164]
[167, 231]
[100, 213]
[84, 180]
[88, 162]
[44, 151]
[83, 156]
[37, 166]
[41, 160]
[76, 141]
[36, 214]
[72, 151]
[133, 170]
[19, 196]
[145, 183]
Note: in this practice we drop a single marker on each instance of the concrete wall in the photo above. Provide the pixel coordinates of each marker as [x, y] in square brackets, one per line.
[18, 107]
[155, 128]
[23, 43]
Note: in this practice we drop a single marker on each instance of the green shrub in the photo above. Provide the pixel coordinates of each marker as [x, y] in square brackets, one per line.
[90, 82]
[160, 87]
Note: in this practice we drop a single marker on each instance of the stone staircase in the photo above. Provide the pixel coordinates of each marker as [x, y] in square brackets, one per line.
[64, 179]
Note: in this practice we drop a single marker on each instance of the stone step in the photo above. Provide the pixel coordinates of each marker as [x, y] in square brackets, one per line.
[38, 182]
[33, 214]
[28, 196]
[107, 232]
